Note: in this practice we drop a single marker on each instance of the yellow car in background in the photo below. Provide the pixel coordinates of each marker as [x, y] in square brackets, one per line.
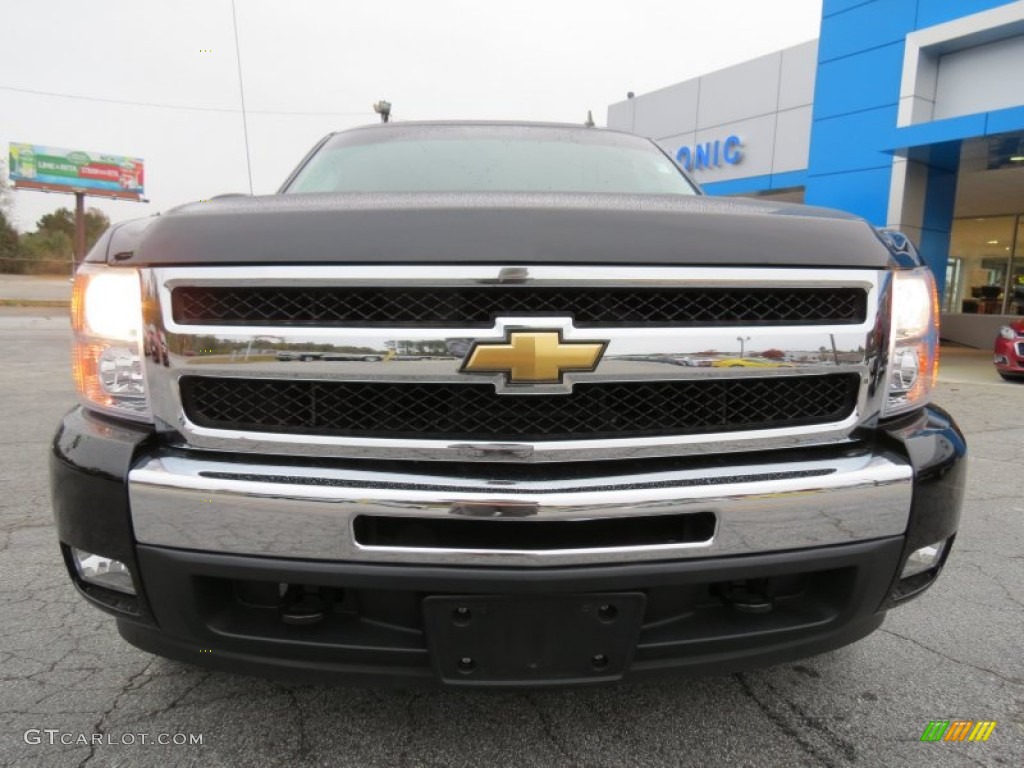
[749, 362]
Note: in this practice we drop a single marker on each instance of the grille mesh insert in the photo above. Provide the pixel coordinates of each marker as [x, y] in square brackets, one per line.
[476, 412]
[477, 307]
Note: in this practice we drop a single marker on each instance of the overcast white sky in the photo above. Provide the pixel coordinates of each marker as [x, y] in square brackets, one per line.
[503, 59]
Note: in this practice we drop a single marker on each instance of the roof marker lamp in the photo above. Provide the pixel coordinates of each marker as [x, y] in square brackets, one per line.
[106, 318]
[914, 339]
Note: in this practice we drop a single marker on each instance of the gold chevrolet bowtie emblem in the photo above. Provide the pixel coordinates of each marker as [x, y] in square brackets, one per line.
[533, 357]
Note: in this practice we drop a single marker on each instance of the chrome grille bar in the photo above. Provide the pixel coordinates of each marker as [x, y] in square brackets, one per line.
[480, 306]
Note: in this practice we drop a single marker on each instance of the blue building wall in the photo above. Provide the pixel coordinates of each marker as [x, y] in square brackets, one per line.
[753, 184]
[856, 100]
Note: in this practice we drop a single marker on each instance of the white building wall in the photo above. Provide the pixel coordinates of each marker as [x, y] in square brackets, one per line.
[967, 65]
[980, 79]
[766, 102]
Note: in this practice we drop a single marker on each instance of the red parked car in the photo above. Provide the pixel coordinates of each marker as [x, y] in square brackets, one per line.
[1009, 352]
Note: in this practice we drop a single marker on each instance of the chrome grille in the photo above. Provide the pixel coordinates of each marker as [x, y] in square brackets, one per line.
[479, 306]
[476, 412]
[367, 362]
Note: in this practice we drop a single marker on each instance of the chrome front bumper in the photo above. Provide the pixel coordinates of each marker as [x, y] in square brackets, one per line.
[309, 513]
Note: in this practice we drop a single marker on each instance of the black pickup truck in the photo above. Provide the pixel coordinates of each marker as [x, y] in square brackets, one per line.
[514, 482]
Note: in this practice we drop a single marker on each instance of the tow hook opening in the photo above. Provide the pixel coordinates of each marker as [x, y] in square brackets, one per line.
[747, 595]
[302, 605]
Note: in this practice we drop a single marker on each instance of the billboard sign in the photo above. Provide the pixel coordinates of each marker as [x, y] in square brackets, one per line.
[65, 170]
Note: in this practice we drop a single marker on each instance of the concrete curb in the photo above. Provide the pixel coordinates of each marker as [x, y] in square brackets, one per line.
[34, 303]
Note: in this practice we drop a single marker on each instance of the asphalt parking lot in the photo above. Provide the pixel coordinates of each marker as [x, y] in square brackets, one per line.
[953, 654]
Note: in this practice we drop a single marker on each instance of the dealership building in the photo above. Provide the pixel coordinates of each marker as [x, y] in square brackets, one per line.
[909, 113]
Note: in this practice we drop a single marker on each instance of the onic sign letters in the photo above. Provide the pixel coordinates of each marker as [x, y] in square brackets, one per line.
[711, 154]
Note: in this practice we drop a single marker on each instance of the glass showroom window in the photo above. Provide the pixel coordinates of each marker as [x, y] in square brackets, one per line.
[979, 273]
[1015, 285]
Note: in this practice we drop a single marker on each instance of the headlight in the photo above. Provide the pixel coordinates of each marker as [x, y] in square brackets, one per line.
[106, 318]
[914, 345]
[1007, 333]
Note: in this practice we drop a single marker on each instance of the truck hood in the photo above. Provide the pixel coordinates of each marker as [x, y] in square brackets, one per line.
[500, 228]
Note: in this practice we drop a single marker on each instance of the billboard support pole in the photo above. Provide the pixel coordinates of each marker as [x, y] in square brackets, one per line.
[79, 230]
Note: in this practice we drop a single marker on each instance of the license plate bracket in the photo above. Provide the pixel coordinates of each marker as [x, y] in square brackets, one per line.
[530, 639]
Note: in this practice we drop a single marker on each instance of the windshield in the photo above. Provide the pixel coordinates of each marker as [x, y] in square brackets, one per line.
[489, 159]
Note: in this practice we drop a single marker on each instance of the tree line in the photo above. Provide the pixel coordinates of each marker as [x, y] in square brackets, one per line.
[50, 248]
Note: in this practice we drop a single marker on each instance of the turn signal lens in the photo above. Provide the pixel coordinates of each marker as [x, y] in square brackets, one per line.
[106, 317]
[914, 350]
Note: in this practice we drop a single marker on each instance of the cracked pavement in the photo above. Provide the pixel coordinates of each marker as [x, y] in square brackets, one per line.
[953, 654]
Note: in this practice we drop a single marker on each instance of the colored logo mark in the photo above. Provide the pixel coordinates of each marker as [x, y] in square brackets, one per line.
[958, 730]
[536, 357]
